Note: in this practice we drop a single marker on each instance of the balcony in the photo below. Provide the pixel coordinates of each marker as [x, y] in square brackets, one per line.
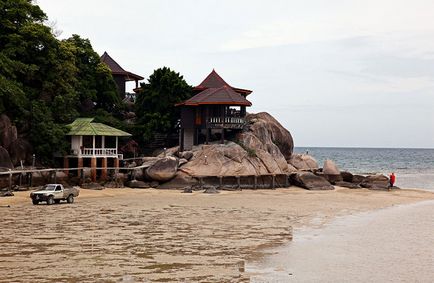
[96, 152]
[225, 123]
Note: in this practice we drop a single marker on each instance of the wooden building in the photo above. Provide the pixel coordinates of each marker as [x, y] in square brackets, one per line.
[120, 75]
[216, 109]
[94, 145]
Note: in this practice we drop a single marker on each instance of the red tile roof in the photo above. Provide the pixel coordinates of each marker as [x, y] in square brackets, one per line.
[222, 95]
[117, 69]
[213, 80]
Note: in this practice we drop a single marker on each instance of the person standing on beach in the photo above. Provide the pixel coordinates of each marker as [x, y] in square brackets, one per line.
[392, 179]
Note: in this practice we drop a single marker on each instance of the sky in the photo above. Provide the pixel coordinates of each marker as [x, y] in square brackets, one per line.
[336, 73]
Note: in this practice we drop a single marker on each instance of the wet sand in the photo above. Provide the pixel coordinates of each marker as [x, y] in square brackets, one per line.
[395, 244]
[165, 236]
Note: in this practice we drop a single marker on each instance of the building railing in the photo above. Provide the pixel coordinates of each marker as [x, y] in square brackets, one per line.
[99, 152]
[226, 122]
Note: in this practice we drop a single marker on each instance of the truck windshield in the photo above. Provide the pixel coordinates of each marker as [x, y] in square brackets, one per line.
[49, 188]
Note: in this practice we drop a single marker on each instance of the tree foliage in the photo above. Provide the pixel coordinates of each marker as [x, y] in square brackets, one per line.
[46, 83]
[155, 105]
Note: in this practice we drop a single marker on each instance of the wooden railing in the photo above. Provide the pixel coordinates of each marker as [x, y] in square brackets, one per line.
[226, 122]
[99, 152]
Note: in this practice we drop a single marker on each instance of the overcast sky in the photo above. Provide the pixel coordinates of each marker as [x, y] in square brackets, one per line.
[334, 73]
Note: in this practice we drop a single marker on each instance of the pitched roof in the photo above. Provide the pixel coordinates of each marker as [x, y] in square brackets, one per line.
[213, 80]
[117, 69]
[85, 127]
[222, 95]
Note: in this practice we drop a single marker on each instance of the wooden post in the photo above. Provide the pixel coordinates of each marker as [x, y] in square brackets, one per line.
[273, 180]
[238, 182]
[31, 179]
[10, 180]
[80, 167]
[221, 181]
[206, 123]
[200, 182]
[255, 182]
[286, 181]
[93, 146]
[223, 124]
[66, 165]
[93, 169]
[55, 176]
[104, 169]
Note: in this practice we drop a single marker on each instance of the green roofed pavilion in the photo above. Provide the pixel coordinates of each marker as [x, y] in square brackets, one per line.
[85, 127]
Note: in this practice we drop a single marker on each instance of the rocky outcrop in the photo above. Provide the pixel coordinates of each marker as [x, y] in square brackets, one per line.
[303, 162]
[18, 148]
[232, 159]
[163, 169]
[310, 181]
[375, 182]
[5, 159]
[181, 181]
[138, 184]
[8, 132]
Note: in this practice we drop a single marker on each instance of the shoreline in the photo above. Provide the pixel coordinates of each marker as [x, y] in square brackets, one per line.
[385, 245]
[166, 234]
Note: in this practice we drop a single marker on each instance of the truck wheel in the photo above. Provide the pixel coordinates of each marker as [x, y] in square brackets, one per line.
[50, 200]
[57, 201]
[70, 199]
[35, 202]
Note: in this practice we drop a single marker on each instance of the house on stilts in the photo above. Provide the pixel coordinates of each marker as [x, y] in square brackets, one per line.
[94, 145]
[216, 108]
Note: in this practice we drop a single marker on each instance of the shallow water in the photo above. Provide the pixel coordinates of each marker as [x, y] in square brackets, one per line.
[390, 245]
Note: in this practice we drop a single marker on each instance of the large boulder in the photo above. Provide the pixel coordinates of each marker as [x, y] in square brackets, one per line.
[310, 181]
[20, 149]
[331, 171]
[375, 181]
[303, 162]
[181, 181]
[5, 159]
[232, 159]
[138, 184]
[163, 170]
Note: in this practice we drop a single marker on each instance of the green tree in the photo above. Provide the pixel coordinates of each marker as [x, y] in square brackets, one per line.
[155, 105]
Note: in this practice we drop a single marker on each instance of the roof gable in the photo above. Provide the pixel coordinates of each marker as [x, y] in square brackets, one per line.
[85, 127]
[222, 95]
[214, 80]
[117, 69]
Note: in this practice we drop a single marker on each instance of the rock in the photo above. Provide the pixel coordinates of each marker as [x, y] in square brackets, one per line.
[357, 179]
[310, 181]
[8, 132]
[186, 155]
[182, 161]
[92, 186]
[210, 190]
[188, 190]
[20, 149]
[6, 194]
[270, 133]
[180, 181]
[375, 181]
[163, 170]
[153, 184]
[5, 159]
[138, 184]
[331, 171]
[113, 185]
[347, 185]
[347, 176]
[303, 162]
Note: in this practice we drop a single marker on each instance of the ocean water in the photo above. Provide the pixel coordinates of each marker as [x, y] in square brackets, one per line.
[414, 168]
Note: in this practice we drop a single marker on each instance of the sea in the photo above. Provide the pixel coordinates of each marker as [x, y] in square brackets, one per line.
[414, 168]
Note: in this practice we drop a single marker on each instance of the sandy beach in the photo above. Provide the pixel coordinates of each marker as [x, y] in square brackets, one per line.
[166, 236]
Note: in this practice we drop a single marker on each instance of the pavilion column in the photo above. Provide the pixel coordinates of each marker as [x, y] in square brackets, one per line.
[80, 167]
[93, 145]
[104, 169]
[66, 164]
[116, 165]
[93, 168]
[117, 142]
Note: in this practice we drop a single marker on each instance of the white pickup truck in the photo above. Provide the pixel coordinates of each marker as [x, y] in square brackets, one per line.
[54, 193]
